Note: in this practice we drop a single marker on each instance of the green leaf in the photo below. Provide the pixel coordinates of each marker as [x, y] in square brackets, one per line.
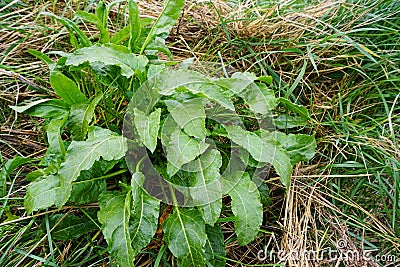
[53, 133]
[28, 105]
[182, 149]
[215, 247]
[260, 99]
[69, 226]
[301, 147]
[101, 13]
[144, 216]
[43, 57]
[66, 89]
[263, 150]
[184, 233]
[81, 155]
[80, 117]
[114, 215]
[92, 18]
[298, 109]
[135, 26]
[121, 35]
[169, 80]
[189, 115]
[42, 193]
[148, 126]
[109, 55]
[207, 192]
[91, 183]
[247, 208]
[165, 21]
[73, 29]
[7, 169]
[52, 109]
[129, 220]
[284, 121]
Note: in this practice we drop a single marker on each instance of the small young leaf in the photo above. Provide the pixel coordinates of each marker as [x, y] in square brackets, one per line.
[301, 147]
[215, 247]
[298, 109]
[247, 207]
[121, 35]
[7, 169]
[109, 54]
[148, 126]
[43, 57]
[66, 88]
[101, 13]
[48, 109]
[135, 26]
[71, 226]
[258, 97]
[53, 133]
[184, 233]
[165, 21]
[72, 28]
[28, 105]
[92, 18]
[80, 116]
[189, 115]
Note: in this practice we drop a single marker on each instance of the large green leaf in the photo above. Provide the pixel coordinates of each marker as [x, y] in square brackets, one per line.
[182, 149]
[114, 215]
[148, 126]
[206, 192]
[165, 21]
[247, 207]
[81, 155]
[184, 233]
[69, 226]
[215, 247]
[109, 54]
[42, 193]
[189, 115]
[66, 88]
[170, 80]
[263, 150]
[129, 220]
[144, 216]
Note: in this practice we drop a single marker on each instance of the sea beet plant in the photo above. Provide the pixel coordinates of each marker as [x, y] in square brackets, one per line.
[187, 139]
